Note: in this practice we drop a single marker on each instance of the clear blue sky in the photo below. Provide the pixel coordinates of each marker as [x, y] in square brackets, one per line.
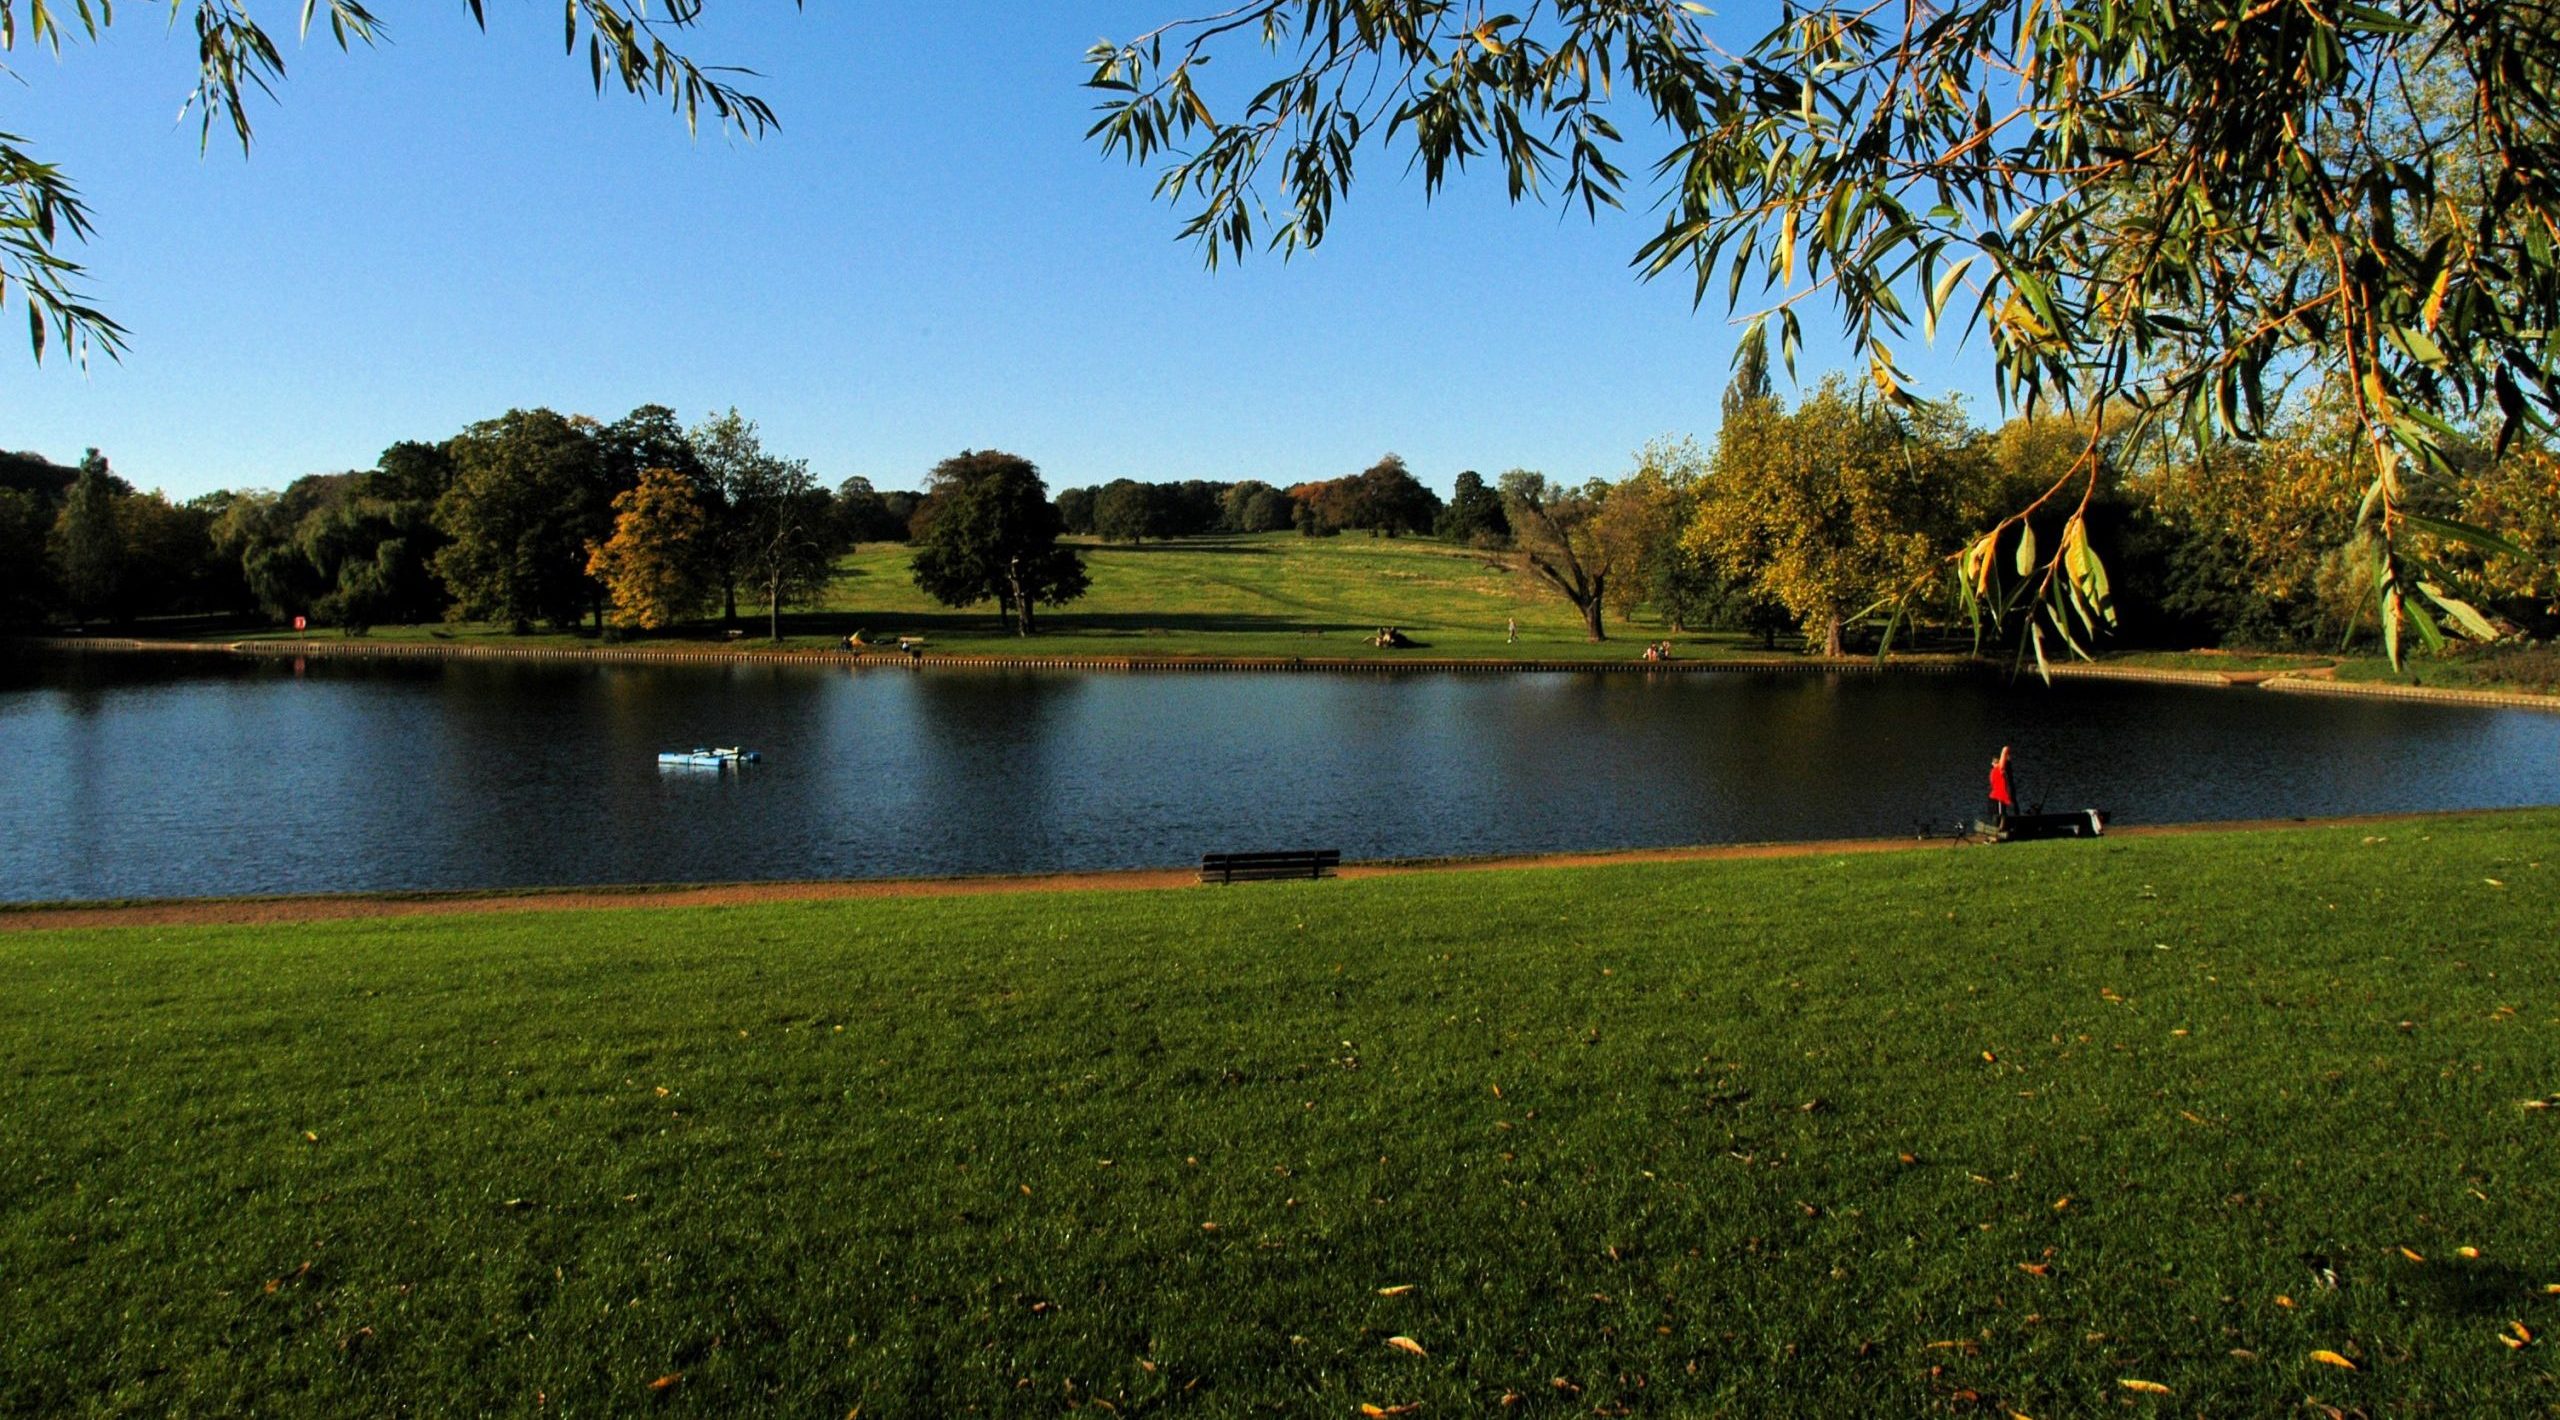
[928, 256]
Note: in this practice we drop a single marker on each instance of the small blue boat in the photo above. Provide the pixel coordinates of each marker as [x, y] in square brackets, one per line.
[700, 758]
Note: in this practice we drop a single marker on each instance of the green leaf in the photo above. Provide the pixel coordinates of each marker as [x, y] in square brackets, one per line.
[2466, 534]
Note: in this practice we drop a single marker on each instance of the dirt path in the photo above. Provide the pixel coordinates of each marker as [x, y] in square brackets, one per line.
[253, 911]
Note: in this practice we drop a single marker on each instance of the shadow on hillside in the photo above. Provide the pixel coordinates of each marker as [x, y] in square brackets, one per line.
[1239, 547]
[1135, 626]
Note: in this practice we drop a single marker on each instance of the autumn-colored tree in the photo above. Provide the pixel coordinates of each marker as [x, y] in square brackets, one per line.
[1557, 530]
[1640, 523]
[2518, 498]
[1828, 510]
[658, 565]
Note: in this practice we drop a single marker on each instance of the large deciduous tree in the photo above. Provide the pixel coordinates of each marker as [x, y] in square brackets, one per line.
[778, 529]
[1827, 509]
[1474, 513]
[657, 566]
[1557, 531]
[88, 547]
[987, 531]
[1124, 510]
[1640, 526]
[2164, 210]
[518, 513]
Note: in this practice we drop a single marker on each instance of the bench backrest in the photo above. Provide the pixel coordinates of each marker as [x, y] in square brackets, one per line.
[1250, 867]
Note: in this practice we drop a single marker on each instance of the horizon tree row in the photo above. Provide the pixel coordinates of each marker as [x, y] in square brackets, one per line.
[502, 522]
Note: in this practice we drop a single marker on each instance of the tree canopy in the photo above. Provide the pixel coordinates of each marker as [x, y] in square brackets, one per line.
[988, 532]
[2167, 211]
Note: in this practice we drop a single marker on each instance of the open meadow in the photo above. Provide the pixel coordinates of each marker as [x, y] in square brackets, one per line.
[1262, 595]
[2212, 1124]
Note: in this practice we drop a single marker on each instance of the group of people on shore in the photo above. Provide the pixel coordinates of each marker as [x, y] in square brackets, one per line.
[1657, 651]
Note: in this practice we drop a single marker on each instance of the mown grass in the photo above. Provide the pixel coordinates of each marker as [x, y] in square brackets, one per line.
[1956, 1131]
[1269, 595]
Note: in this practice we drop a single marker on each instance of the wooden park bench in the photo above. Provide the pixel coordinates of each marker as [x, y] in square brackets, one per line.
[1265, 867]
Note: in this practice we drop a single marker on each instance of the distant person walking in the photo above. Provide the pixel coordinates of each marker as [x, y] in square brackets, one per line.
[2004, 803]
[1511, 630]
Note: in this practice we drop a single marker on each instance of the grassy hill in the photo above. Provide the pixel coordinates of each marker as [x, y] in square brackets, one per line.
[1267, 595]
[2151, 1124]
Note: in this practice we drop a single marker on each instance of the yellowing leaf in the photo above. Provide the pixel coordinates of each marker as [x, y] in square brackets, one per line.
[2061, 1203]
[2467, 1251]
[2413, 1257]
[2035, 1269]
[2284, 1301]
[1397, 1290]
[2146, 1387]
[2332, 1358]
[666, 1381]
[1407, 1345]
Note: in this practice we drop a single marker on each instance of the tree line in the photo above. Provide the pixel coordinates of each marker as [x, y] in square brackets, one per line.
[1798, 519]
[1809, 518]
[531, 518]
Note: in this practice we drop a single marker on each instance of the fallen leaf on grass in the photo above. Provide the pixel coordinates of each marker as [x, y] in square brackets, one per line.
[2466, 1252]
[2146, 1387]
[2035, 1269]
[307, 1134]
[1407, 1345]
[2521, 1338]
[2284, 1301]
[2332, 1358]
[666, 1381]
[2061, 1203]
[1397, 1290]
[2413, 1257]
[2493, 882]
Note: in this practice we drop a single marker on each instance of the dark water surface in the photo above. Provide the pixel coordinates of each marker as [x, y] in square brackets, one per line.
[134, 776]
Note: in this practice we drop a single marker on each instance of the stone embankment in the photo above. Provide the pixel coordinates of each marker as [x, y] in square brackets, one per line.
[337, 648]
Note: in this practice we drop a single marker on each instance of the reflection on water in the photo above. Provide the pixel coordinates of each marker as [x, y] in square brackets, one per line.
[147, 776]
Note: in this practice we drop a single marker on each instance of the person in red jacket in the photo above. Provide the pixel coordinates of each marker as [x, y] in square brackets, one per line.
[2003, 802]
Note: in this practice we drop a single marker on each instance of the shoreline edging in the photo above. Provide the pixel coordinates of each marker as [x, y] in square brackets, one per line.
[1919, 663]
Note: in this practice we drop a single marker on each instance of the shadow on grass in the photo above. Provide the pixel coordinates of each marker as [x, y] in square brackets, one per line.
[1060, 625]
[1234, 547]
[2470, 1288]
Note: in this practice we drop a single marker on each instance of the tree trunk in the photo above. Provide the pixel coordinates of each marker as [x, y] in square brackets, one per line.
[774, 608]
[1021, 601]
[729, 592]
[1831, 636]
[1591, 627]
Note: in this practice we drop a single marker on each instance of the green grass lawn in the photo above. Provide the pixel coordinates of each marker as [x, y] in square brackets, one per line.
[1962, 1131]
[1270, 595]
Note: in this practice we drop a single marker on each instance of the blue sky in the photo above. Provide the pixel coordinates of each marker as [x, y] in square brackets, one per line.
[928, 256]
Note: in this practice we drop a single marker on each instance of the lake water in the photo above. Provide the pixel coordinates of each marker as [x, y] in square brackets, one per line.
[143, 776]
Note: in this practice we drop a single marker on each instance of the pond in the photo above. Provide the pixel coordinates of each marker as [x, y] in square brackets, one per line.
[148, 776]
